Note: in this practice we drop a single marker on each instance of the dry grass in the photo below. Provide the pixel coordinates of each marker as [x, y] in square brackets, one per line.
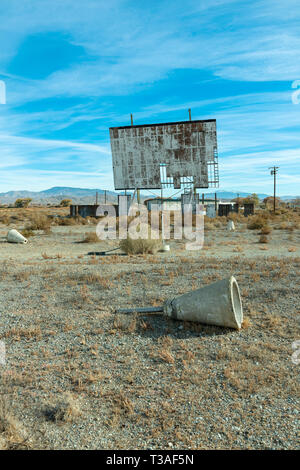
[27, 233]
[263, 239]
[256, 222]
[12, 435]
[39, 221]
[5, 219]
[17, 334]
[65, 411]
[91, 237]
[266, 230]
[166, 356]
[137, 377]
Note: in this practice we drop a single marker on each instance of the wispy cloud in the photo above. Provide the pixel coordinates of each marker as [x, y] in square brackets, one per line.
[132, 52]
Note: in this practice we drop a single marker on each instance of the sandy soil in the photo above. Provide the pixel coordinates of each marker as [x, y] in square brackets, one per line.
[79, 376]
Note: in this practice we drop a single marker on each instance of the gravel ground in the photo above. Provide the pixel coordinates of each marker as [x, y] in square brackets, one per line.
[78, 376]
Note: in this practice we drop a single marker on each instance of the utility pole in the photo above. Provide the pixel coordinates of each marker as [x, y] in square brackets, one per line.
[274, 171]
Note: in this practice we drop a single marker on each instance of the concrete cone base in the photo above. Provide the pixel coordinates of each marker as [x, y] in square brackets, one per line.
[165, 248]
[14, 236]
[217, 304]
[230, 226]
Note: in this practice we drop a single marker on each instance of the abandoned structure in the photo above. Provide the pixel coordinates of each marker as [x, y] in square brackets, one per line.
[179, 155]
[91, 210]
[157, 156]
[248, 209]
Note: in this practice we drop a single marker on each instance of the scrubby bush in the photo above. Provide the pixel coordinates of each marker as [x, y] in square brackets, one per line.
[65, 202]
[266, 229]
[23, 202]
[39, 222]
[263, 239]
[140, 246]
[256, 222]
[78, 220]
[91, 237]
[5, 219]
[26, 232]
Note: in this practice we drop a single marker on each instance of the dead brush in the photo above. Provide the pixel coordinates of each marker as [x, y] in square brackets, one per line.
[238, 249]
[5, 219]
[125, 324]
[263, 239]
[256, 222]
[166, 356]
[122, 406]
[266, 230]
[57, 256]
[17, 334]
[236, 217]
[90, 237]
[12, 435]
[209, 226]
[283, 226]
[271, 321]
[39, 221]
[27, 233]
[246, 323]
[22, 275]
[140, 246]
[123, 403]
[66, 411]
[66, 221]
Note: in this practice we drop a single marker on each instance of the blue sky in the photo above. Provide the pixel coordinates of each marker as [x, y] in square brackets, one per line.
[72, 69]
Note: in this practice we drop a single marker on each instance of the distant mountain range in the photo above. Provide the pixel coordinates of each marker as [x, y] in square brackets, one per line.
[58, 193]
[88, 196]
[232, 195]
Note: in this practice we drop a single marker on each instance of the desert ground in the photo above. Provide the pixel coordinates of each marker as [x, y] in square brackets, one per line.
[79, 376]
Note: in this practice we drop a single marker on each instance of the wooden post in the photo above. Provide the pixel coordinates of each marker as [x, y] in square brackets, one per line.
[162, 216]
[274, 170]
[274, 189]
[216, 202]
[131, 119]
[138, 196]
[105, 196]
[190, 115]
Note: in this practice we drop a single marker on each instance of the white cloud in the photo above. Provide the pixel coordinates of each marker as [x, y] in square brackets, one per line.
[132, 45]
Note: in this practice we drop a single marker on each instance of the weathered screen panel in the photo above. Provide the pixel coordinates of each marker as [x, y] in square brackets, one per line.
[186, 148]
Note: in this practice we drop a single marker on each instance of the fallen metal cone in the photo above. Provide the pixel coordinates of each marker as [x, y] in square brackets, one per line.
[217, 304]
[14, 236]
